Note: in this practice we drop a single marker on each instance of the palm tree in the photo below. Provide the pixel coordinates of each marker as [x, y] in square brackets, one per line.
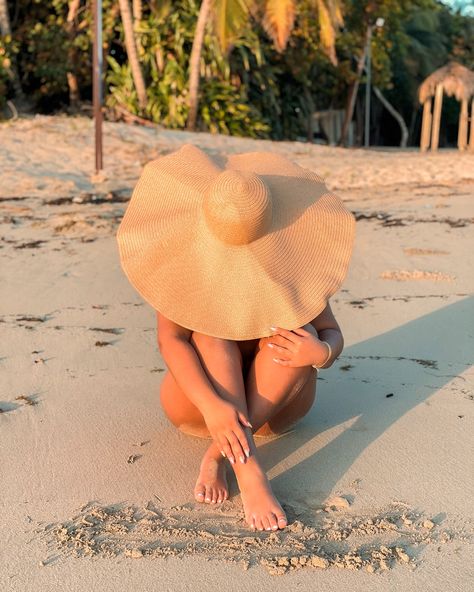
[73, 85]
[277, 17]
[132, 53]
[5, 31]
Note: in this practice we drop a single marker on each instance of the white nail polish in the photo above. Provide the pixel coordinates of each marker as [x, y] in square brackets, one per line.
[247, 453]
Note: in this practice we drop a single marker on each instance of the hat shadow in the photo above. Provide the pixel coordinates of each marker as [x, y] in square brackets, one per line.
[358, 397]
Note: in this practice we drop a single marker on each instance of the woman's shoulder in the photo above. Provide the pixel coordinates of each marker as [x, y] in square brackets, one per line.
[167, 327]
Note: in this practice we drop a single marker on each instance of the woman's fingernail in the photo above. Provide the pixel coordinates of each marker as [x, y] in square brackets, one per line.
[247, 453]
[242, 459]
[270, 345]
[232, 460]
[223, 454]
[273, 328]
[249, 424]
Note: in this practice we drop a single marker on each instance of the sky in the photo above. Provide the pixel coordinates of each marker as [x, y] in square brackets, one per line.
[466, 6]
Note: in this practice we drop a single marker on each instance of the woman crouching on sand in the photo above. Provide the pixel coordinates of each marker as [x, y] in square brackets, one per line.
[239, 262]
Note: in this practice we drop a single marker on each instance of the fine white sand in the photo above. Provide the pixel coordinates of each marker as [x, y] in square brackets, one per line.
[96, 485]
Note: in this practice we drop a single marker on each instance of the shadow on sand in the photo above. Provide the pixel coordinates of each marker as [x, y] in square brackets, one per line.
[427, 353]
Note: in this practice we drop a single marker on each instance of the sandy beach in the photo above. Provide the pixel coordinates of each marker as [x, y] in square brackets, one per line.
[96, 485]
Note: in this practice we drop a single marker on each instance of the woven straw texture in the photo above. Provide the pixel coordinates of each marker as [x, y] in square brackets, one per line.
[231, 250]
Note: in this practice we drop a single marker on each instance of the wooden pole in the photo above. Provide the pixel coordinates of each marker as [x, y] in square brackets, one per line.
[471, 133]
[438, 103]
[97, 83]
[426, 126]
[367, 88]
[463, 123]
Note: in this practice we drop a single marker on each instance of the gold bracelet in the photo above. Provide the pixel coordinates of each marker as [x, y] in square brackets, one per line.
[327, 359]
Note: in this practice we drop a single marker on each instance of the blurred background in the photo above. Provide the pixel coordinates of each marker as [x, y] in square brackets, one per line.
[276, 69]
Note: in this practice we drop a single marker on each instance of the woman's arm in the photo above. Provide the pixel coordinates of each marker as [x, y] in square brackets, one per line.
[328, 330]
[305, 346]
[222, 418]
[184, 364]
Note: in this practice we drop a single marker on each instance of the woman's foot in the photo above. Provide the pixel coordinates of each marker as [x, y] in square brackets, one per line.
[262, 510]
[211, 485]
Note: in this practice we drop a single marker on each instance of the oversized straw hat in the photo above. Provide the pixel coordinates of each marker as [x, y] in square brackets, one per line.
[231, 248]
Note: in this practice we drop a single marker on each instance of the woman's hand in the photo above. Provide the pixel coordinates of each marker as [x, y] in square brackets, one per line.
[225, 424]
[300, 347]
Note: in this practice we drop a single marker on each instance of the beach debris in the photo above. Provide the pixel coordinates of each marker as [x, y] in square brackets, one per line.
[346, 367]
[157, 370]
[141, 443]
[103, 343]
[389, 395]
[404, 275]
[30, 245]
[133, 458]
[417, 251]
[113, 330]
[428, 524]
[358, 303]
[26, 400]
[88, 198]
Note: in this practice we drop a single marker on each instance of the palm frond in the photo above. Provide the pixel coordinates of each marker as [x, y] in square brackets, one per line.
[327, 31]
[278, 21]
[230, 18]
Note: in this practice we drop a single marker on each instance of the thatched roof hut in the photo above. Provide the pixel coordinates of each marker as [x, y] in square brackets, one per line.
[457, 80]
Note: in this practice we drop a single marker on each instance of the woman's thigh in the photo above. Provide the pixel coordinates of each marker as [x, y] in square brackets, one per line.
[187, 417]
[281, 394]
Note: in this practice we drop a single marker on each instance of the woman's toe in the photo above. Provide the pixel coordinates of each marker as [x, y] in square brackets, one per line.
[214, 496]
[273, 522]
[208, 495]
[282, 521]
[266, 523]
[199, 493]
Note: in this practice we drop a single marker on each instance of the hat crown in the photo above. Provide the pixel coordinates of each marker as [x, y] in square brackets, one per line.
[238, 207]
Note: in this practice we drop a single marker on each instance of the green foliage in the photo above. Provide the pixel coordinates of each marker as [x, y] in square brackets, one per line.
[5, 69]
[165, 41]
[251, 89]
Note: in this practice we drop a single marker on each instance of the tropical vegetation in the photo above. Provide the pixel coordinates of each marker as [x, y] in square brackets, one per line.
[258, 68]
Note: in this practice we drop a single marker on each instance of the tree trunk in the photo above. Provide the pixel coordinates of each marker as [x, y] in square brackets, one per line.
[351, 99]
[5, 30]
[391, 109]
[74, 96]
[195, 63]
[310, 109]
[137, 8]
[132, 53]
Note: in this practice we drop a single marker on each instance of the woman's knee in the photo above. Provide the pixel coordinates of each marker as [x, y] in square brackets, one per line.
[207, 344]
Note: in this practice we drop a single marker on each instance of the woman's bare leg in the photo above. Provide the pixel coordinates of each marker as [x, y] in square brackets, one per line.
[277, 396]
[290, 390]
[222, 362]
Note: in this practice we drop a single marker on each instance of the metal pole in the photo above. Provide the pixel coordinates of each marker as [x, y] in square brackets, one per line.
[367, 89]
[97, 83]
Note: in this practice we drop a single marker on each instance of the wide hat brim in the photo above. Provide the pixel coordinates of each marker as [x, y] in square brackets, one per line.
[237, 292]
